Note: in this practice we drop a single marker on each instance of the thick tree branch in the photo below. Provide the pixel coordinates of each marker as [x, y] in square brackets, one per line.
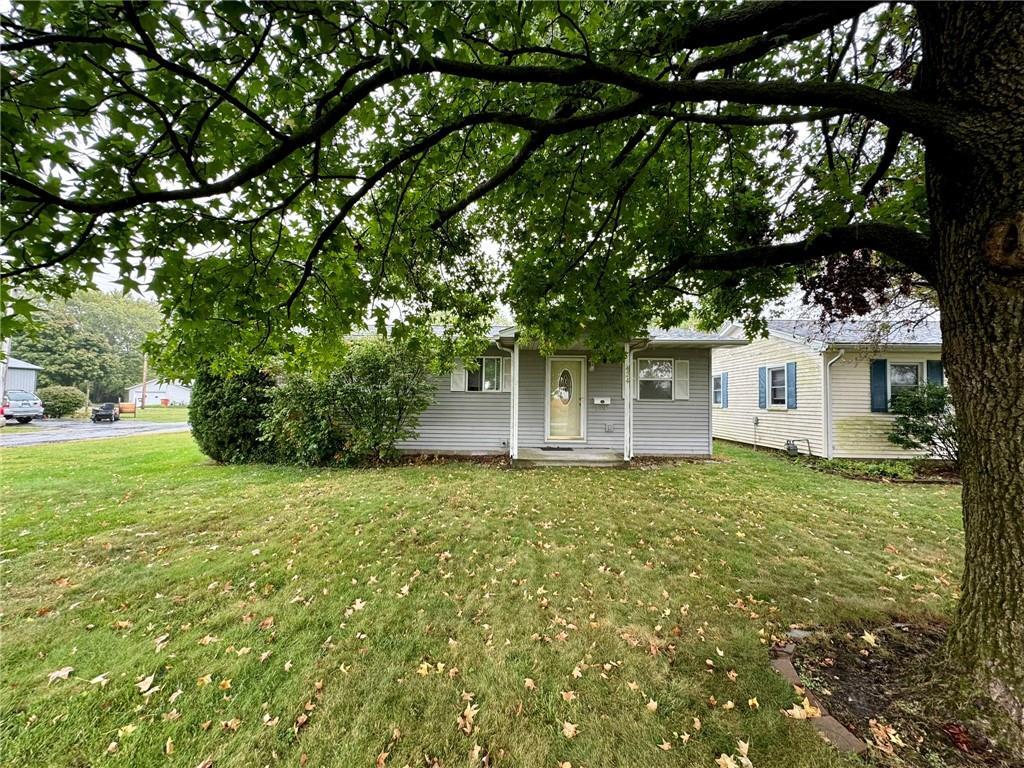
[750, 19]
[899, 110]
[827, 15]
[906, 246]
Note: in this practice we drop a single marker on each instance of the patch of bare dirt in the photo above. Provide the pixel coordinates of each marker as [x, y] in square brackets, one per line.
[887, 685]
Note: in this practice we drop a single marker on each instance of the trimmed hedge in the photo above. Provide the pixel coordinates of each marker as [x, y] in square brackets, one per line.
[226, 414]
[60, 401]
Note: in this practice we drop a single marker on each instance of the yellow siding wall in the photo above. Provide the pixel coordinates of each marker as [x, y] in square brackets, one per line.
[857, 433]
[777, 425]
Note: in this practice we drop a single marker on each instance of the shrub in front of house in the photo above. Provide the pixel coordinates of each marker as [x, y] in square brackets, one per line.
[925, 421]
[60, 401]
[381, 388]
[304, 423]
[357, 413]
[226, 414]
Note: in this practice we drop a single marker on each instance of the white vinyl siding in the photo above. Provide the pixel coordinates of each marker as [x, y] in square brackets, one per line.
[459, 421]
[857, 432]
[776, 424]
[677, 427]
[605, 423]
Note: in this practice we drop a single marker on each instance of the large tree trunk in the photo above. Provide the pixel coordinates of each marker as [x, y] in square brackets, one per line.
[974, 61]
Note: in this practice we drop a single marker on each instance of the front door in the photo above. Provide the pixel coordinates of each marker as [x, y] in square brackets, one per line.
[565, 398]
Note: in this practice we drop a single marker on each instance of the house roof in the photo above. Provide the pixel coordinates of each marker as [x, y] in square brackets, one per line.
[856, 333]
[13, 362]
[689, 336]
[667, 336]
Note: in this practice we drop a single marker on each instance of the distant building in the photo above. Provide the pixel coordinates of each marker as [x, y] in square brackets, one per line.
[159, 392]
[20, 375]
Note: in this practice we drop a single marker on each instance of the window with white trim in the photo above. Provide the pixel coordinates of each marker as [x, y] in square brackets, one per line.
[777, 385]
[486, 377]
[654, 378]
[903, 376]
[716, 389]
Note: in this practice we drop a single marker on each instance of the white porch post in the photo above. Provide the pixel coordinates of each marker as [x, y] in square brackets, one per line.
[627, 405]
[514, 436]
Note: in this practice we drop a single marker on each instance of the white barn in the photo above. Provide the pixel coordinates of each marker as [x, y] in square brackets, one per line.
[159, 392]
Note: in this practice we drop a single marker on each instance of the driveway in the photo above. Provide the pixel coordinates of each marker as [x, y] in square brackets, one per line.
[67, 430]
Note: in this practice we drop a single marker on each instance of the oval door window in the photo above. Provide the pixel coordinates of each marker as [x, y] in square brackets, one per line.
[565, 386]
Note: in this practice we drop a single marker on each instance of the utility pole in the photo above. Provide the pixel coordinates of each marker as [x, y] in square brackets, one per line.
[145, 376]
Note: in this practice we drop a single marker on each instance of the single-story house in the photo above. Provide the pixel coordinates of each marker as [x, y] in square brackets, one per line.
[826, 390]
[159, 392]
[568, 407]
[20, 375]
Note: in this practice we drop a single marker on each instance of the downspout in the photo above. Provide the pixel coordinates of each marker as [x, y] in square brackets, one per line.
[828, 402]
[628, 399]
[513, 416]
[627, 403]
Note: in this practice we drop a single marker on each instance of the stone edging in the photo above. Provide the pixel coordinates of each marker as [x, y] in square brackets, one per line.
[830, 729]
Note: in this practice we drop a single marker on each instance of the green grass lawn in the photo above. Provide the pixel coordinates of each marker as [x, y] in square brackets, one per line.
[159, 413]
[287, 616]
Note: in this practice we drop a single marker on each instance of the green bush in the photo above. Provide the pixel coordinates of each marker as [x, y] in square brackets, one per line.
[925, 421]
[304, 424]
[881, 470]
[60, 401]
[226, 414]
[381, 388]
[360, 411]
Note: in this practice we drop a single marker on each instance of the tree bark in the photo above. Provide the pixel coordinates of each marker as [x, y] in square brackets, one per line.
[974, 61]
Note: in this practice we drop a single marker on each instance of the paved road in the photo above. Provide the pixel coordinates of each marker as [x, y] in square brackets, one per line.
[68, 430]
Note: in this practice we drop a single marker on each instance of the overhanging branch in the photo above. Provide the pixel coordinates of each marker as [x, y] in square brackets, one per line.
[905, 245]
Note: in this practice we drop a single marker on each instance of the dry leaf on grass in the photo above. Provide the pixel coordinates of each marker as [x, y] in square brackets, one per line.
[61, 674]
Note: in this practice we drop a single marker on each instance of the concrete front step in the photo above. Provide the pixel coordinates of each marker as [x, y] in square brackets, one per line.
[576, 457]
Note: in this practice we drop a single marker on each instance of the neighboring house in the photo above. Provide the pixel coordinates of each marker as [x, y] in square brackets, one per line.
[18, 374]
[160, 392]
[827, 391]
[570, 407]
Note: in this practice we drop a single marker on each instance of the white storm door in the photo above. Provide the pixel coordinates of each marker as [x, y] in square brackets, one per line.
[566, 392]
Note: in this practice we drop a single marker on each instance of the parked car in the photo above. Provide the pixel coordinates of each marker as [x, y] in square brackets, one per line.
[106, 412]
[22, 405]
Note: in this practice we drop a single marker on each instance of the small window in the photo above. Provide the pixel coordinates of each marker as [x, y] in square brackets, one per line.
[654, 379]
[777, 385]
[904, 376]
[486, 377]
[716, 389]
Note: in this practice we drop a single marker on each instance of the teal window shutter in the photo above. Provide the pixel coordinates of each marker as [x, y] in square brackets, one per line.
[879, 387]
[725, 390]
[935, 372]
[762, 387]
[791, 385]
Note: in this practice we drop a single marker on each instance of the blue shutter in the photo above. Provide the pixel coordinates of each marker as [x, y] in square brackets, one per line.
[725, 390]
[935, 372]
[879, 387]
[791, 385]
[762, 387]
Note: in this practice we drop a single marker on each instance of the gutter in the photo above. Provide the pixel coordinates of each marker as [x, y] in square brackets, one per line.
[828, 402]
